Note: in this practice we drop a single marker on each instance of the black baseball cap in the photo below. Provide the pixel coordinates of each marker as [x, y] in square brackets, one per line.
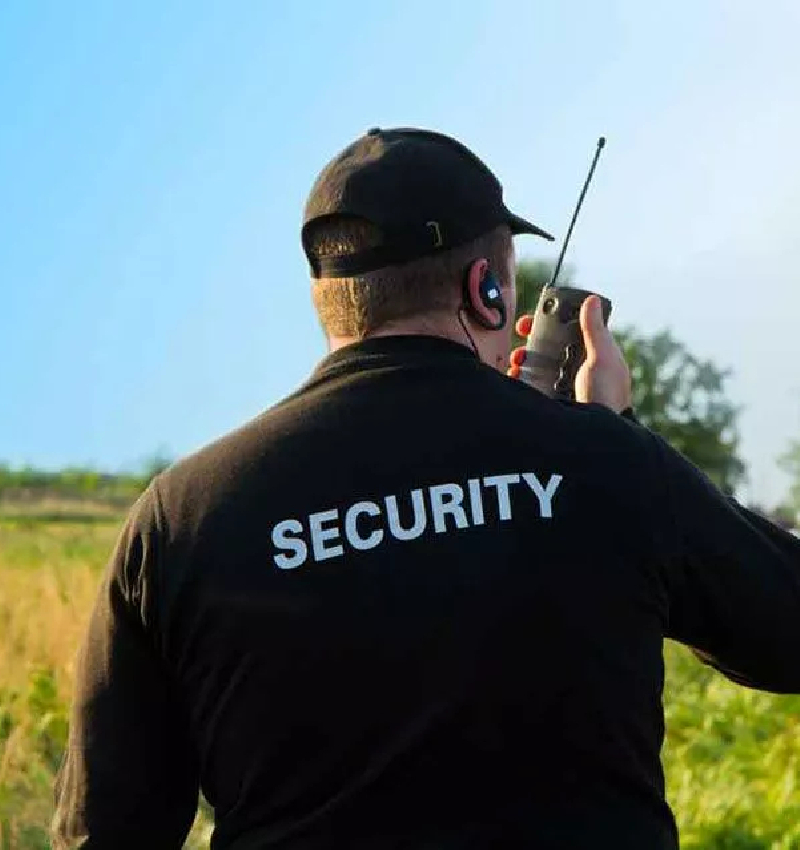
[424, 191]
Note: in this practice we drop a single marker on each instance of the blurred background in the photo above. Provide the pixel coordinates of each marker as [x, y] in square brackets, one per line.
[154, 162]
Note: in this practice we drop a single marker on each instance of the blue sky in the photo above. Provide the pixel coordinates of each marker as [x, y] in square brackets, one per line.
[155, 158]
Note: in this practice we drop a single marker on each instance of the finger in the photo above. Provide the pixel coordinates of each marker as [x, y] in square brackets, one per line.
[524, 325]
[517, 357]
[513, 371]
[592, 326]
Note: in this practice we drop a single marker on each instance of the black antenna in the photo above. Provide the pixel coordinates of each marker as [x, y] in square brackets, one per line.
[600, 144]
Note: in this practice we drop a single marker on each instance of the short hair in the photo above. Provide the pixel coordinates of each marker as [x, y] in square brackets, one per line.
[360, 305]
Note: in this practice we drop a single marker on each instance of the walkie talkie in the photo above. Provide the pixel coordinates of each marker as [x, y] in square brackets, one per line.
[555, 351]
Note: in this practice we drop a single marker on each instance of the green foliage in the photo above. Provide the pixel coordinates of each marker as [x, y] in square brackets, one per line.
[155, 465]
[48, 716]
[29, 485]
[683, 399]
[33, 726]
[731, 759]
[48, 581]
[675, 394]
[789, 462]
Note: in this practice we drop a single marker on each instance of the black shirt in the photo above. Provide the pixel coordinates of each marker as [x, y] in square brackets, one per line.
[416, 604]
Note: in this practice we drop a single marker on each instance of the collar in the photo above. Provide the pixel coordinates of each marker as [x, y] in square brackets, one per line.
[387, 350]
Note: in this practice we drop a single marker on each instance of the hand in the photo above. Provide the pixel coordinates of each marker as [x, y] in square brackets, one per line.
[604, 377]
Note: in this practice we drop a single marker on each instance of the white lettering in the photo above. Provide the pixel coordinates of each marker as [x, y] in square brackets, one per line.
[319, 535]
[475, 501]
[420, 519]
[281, 540]
[543, 494]
[351, 526]
[446, 499]
[502, 482]
[359, 526]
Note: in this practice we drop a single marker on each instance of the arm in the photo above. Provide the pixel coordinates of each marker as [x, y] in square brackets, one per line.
[733, 578]
[129, 778]
[733, 581]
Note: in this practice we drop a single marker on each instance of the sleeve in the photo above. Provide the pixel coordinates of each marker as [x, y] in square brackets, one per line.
[733, 582]
[129, 778]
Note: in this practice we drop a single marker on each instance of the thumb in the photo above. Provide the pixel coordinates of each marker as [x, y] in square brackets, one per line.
[592, 327]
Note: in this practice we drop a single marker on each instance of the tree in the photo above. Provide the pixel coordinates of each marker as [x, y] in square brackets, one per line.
[683, 399]
[789, 462]
[155, 464]
[781, 515]
[675, 394]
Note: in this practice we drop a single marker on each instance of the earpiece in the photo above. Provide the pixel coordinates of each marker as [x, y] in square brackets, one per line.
[491, 297]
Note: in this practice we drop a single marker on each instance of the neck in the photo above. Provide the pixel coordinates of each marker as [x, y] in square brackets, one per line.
[433, 326]
[445, 327]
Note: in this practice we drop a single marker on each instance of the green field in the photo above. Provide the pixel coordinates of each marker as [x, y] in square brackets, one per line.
[732, 755]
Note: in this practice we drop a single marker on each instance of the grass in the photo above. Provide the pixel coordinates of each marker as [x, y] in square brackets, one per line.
[732, 755]
[48, 577]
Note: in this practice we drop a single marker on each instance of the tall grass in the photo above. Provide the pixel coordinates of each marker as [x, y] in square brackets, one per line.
[732, 755]
[48, 579]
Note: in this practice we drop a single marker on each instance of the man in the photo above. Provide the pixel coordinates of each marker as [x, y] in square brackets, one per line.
[417, 603]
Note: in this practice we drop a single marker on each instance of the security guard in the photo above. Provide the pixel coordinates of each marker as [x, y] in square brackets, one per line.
[416, 603]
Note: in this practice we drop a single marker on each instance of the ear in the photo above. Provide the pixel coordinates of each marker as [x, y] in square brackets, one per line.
[472, 291]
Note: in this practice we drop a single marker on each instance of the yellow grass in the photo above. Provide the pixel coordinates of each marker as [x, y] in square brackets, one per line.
[48, 579]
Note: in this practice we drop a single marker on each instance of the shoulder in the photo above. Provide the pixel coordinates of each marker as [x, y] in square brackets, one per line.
[588, 420]
[216, 475]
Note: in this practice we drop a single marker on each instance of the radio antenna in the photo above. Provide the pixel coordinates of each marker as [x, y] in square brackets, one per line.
[600, 145]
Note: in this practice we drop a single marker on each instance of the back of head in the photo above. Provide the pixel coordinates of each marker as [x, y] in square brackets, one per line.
[392, 225]
[420, 290]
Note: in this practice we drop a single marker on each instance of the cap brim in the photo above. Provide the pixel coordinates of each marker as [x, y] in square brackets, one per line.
[520, 225]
